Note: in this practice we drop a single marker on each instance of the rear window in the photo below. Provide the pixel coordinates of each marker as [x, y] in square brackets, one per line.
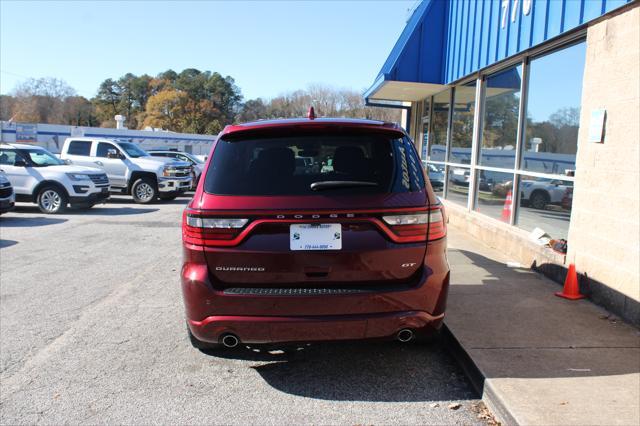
[326, 164]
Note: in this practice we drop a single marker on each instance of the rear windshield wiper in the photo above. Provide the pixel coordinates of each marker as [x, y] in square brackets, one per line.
[331, 184]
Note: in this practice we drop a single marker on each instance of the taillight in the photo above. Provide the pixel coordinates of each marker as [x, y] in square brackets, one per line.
[416, 226]
[209, 231]
[437, 226]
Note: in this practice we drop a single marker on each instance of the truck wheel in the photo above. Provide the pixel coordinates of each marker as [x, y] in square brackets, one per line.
[144, 191]
[51, 200]
[539, 200]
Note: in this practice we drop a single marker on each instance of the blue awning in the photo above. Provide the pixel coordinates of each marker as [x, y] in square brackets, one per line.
[414, 68]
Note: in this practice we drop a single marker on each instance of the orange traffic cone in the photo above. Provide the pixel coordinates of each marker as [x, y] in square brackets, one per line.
[506, 209]
[571, 290]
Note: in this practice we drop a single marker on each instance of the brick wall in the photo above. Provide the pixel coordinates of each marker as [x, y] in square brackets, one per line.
[604, 238]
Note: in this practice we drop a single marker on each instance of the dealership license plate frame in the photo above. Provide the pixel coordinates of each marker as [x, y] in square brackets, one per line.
[315, 236]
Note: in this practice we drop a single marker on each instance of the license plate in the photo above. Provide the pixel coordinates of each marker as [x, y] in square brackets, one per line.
[315, 236]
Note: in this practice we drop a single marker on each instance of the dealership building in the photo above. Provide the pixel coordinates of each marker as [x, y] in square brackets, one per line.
[526, 116]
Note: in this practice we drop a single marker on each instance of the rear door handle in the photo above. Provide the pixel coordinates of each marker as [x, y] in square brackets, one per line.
[99, 163]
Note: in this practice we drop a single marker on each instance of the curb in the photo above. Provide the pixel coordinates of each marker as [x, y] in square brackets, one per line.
[492, 400]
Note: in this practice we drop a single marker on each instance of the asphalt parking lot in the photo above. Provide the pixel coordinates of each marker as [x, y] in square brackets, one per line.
[92, 331]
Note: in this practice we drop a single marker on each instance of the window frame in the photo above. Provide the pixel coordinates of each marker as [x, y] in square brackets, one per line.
[118, 150]
[475, 168]
[89, 143]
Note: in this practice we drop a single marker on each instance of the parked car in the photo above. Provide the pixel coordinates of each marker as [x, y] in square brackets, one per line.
[7, 196]
[460, 176]
[196, 163]
[40, 177]
[541, 192]
[130, 169]
[274, 254]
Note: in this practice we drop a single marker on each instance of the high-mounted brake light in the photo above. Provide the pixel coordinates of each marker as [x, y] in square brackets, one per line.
[311, 115]
[206, 231]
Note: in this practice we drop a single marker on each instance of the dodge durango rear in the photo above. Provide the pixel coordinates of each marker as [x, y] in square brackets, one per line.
[313, 230]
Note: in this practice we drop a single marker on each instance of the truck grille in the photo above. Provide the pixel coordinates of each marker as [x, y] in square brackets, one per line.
[99, 179]
[183, 171]
[6, 191]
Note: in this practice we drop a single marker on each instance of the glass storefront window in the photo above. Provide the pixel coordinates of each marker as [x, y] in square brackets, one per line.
[436, 177]
[553, 111]
[545, 203]
[501, 106]
[464, 102]
[458, 185]
[495, 194]
[440, 121]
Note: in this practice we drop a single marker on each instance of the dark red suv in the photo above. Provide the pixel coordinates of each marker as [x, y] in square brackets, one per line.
[312, 230]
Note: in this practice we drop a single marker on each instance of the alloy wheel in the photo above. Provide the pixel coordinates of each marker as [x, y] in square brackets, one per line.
[50, 200]
[144, 191]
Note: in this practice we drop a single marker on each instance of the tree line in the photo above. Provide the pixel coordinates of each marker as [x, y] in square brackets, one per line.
[191, 101]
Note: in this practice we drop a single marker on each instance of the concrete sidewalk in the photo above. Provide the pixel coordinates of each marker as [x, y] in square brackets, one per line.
[536, 358]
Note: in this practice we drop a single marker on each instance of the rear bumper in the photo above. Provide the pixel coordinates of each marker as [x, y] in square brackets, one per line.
[269, 329]
[269, 318]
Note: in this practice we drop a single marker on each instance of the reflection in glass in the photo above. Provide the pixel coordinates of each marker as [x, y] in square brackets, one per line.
[440, 118]
[426, 117]
[553, 111]
[464, 102]
[458, 186]
[495, 195]
[436, 176]
[502, 102]
[545, 203]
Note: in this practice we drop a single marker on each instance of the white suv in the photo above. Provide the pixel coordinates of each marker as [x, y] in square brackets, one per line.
[40, 177]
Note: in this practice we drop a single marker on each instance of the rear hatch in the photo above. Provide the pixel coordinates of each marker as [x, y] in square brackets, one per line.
[342, 209]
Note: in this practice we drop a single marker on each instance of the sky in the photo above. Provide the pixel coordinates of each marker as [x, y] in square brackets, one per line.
[268, 47]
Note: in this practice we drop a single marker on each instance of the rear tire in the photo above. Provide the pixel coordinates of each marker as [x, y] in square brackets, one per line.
[51, 199]
[144, 191]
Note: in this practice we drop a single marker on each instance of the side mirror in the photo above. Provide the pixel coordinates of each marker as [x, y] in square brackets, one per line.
[112, 153]
[19, 162]
[67, 161]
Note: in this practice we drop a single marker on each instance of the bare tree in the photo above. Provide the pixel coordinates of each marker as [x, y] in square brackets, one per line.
[327, 102]
[41, 100]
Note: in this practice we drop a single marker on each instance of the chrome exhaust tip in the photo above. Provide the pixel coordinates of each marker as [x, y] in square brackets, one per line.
[230, 340]
[405, 335]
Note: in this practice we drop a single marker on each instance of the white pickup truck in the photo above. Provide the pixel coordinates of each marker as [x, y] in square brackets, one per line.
[40, 177]
[538, 193]
[130, 169]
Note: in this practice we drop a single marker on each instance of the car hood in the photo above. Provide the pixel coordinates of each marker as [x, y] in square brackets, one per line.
[158, 162]
[72, 168]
